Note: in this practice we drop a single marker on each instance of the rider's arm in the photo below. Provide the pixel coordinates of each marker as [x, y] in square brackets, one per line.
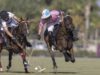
[40, 28]
[16, 18]
[6, 29]
[11, 15]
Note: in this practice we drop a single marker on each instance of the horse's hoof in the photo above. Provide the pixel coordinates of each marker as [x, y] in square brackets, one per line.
[8, 67]
[1, 69]
[26, 70]
[66, 60]
[42, 70]
[55, 67]
[73, 60]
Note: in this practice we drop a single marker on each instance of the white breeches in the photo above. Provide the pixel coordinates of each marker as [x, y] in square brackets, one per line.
[50, 28]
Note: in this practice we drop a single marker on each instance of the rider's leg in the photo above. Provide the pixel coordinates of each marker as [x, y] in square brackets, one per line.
[5, 42]
[25, 62]
[53, 38]
[46, 33]
[55, 30]
[52, 35]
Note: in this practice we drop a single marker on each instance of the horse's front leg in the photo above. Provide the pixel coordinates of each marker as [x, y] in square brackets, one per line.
[1, 69]
[53, 58]
[72, 55]
[51, 52]
[66, 54]
[10, 59]
[25, 63]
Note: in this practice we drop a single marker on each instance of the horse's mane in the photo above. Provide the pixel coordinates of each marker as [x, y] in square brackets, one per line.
[65, 26]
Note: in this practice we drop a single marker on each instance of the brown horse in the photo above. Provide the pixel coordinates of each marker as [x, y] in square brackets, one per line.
[13, 48]
[64, 41]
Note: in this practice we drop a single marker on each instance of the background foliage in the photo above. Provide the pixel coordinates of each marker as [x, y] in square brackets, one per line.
[33, 9]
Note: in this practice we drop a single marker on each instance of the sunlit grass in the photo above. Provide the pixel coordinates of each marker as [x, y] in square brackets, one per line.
[82, 66]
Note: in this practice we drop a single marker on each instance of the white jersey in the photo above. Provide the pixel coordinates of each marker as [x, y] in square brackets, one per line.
[10, 23]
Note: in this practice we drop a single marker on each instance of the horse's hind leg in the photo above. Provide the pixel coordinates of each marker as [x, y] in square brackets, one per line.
[1, 69]
[10, 59]
[72, 56]
[25, 63]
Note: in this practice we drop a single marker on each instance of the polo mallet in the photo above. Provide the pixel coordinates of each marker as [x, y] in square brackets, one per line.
[18, 44]
[40, 69]
[29, 55]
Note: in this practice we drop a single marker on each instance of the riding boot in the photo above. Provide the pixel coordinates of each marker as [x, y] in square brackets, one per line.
[56, 28]
[53, 40]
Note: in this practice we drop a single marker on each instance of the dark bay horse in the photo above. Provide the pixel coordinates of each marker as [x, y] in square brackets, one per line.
[64, 42]
[19, 32]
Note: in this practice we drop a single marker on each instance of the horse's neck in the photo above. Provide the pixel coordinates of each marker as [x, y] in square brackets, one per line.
[61, 32]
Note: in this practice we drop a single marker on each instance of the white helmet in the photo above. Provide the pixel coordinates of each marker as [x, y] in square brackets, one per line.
[45, 14]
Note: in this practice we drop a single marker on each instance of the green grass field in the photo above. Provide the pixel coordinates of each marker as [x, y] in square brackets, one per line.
[82, 66]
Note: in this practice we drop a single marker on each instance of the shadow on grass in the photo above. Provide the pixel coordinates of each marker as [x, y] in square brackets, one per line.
[62, 72]
[58, 72]
[14, 72]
